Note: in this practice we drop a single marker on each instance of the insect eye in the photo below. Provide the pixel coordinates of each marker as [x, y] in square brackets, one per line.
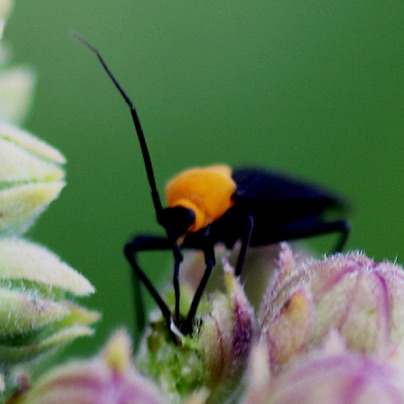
[177, 220]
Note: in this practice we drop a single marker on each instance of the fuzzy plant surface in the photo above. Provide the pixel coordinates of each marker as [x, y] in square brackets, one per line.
[38, 291]
[326, 330]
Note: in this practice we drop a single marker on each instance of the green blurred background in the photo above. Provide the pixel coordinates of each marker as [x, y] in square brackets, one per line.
[314, 88]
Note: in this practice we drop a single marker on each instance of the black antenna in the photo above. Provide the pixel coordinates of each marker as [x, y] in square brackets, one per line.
[139, 131]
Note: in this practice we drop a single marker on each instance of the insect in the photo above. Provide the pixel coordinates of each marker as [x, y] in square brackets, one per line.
[215, 204]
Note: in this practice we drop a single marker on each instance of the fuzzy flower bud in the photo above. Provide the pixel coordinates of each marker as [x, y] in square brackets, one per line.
[16, 89]
[107, 379]
[36, 314]
[207, 365]
[358, 298]
[339, 377]
[226, 335]
[30, 178]
[5, 8]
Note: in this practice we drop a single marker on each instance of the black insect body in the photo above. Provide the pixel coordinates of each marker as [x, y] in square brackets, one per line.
[216, 204]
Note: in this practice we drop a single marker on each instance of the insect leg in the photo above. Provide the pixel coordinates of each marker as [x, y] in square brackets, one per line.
[210, 262]
[341, 227]
[343, 230]
[245, 242]
[315, 228]
[139, 244]
[176, 280]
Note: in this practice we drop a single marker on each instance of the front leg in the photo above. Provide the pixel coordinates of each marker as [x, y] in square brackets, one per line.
[150, 243]
[210, 261]
[245, 242]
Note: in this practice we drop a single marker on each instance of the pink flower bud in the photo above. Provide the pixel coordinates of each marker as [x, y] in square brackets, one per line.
[226, 335]
[351, 294]
[332, 379]
[107, 379]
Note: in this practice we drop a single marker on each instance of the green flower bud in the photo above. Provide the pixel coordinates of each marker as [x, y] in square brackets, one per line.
[36, 313]
[208, 364]
[5, 8]
[16, 88]
[30, 178]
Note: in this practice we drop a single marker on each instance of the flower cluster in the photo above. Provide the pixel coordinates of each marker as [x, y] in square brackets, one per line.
[37, 313]
[326, 331]
[330, 331]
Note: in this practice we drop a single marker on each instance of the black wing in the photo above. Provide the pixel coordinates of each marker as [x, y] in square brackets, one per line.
[272, 189]
[283, 207]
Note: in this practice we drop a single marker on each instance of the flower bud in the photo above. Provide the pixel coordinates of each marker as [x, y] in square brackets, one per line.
[36, 314]
[352, 294]
[16, 88]
[108, 378]
[226, 335]
[338, 378]
[209, 363]
[5, 8]
[30, 178]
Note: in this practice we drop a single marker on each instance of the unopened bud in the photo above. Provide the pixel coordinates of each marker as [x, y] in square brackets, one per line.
[31, 177]
[36, 314]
